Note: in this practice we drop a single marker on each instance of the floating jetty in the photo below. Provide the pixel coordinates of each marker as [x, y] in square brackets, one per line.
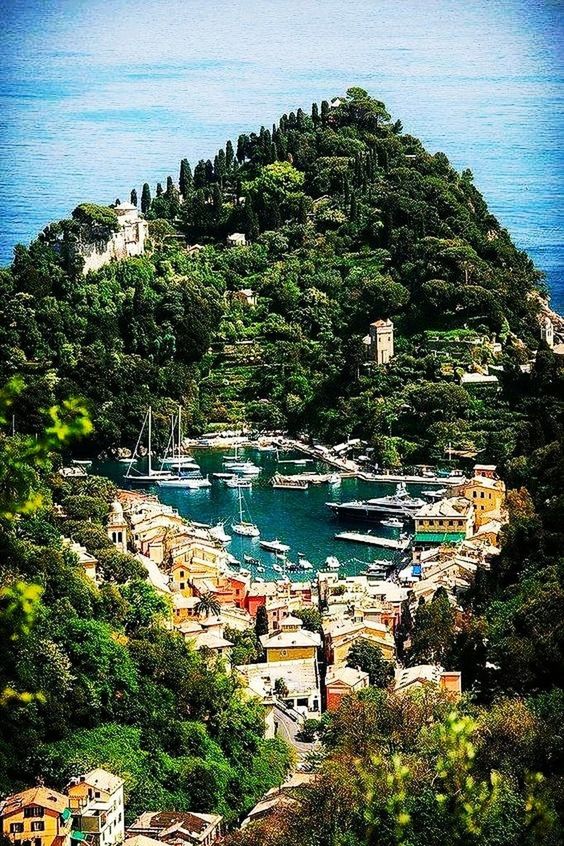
[415, 480]
[374, 540]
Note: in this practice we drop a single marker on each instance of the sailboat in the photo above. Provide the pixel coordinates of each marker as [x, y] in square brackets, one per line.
[151, 475]
[177, 461]
[244, 527]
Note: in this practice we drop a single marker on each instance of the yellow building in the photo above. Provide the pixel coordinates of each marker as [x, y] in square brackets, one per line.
[486, 494]
[291, 643]
[36, 817]
[341, 634]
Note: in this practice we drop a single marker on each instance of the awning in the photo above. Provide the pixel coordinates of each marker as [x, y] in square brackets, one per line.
[439, 537]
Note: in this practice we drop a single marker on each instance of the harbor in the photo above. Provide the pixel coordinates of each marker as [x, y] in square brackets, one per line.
[296, 518]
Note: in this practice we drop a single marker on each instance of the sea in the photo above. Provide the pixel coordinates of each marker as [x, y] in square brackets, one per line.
[298, 518]
[99, 97]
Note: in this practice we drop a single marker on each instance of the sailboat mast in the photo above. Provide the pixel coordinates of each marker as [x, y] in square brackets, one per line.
[240, 505]
[150, 437]
[179, 433]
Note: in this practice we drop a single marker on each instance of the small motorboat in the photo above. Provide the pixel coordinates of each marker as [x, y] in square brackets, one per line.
[277, 568]
[275, 546]
[334, 479]
[236, 482]
[246, 530]
[393, 523]
[82, 463]
[332, 562]
[260, 569]
[127, 460]
[223, 475]
[304, 564]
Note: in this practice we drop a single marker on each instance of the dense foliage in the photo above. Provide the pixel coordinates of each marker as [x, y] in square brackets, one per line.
[349, 220]
[90, 677]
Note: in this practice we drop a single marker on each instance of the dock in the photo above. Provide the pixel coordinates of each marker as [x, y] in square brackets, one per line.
[395, 478]
[374, 540]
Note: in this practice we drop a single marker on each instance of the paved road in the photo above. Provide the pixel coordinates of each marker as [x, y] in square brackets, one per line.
[288, 729]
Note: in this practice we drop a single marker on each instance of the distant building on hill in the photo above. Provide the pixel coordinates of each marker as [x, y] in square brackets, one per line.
[96, 801]
[127, 241]
[236, 239]
[381, 334]
[547, 331]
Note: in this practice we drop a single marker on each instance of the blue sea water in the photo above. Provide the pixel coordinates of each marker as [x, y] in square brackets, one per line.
[300, 519]
[97, 97]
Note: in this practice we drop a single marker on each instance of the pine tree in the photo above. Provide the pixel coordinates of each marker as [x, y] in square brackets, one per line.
[133, 197]
[145, 198]
[261, 621]
[185, 178]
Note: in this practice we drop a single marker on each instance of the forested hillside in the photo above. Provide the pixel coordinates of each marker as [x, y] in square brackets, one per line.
[349, 220]
[92, 675]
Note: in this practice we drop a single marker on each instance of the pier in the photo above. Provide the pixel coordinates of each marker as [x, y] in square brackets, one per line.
[374, 540]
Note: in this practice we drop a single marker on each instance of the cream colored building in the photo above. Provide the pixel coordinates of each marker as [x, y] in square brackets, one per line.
[96, 801]
[381, 334]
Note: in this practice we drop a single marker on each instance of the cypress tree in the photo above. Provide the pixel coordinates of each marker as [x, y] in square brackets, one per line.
[229, 155]
[200, 174]
[300, 119]
[220, 166]
[145, 198]
[185, 178]
[353, 212]
[133, 197]
[159, 189]
[209, 172]
[261, 621]
[217, 201]
[315, 113]
[242, 147]
[117, 202]
[169, 186]
[324, 111]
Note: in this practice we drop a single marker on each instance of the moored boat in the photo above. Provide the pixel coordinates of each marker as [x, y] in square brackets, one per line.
[400, 502]
[275, 546]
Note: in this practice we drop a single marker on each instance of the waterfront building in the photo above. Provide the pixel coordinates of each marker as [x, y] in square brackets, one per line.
[178, 828]
[486, 494]
[381, 348]
[448, 520]
[341, 682]
[96, 801]
[38, 816]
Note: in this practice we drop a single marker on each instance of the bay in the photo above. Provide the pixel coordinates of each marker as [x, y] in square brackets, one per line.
[97, 98]
[300, 519]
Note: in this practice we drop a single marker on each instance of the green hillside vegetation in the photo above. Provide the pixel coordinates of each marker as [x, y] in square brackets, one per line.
[349, 219]
[90, 677]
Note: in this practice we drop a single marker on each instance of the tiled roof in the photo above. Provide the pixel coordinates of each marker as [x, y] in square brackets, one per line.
[42, 796]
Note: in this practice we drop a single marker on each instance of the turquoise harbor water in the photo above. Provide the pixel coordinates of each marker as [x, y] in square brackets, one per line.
[97, 97]
[298, 518]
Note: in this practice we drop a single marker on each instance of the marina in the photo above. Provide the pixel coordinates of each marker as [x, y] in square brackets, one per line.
[302, 522]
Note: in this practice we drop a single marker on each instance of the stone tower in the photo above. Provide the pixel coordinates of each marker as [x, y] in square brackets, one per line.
[381, 341]
[117, 527]
[547, 331]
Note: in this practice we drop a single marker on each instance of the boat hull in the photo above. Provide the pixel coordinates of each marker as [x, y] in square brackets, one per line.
[370, 513]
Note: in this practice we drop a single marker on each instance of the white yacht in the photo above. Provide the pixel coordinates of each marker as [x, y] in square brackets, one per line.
[275, 546]
[218, 532]
[332, 562]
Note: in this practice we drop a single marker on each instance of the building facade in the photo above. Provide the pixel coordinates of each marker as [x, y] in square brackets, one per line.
[36, 817]
[96, 801]
[381, 341]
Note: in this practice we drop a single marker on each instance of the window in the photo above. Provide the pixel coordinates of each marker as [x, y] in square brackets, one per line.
[182, 574]
[96, 794]
[38, 825]
[16, 828]
[34, 811]
[181, 585]
[37, 841]
[481, 494]
[120, 537]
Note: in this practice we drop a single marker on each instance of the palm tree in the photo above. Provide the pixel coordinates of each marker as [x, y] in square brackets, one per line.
[208, 604]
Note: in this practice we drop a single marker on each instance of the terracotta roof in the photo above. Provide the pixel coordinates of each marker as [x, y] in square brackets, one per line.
[42, 796]
[102, 779]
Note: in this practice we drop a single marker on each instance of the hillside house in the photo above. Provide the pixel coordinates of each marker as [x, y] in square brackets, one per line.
[36, 817]
[96, 801]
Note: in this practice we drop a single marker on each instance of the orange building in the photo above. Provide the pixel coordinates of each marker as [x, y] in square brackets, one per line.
[36, 817]
[341, 682]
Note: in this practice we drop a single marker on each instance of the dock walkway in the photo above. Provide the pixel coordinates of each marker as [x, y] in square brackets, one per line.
[374, 540]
